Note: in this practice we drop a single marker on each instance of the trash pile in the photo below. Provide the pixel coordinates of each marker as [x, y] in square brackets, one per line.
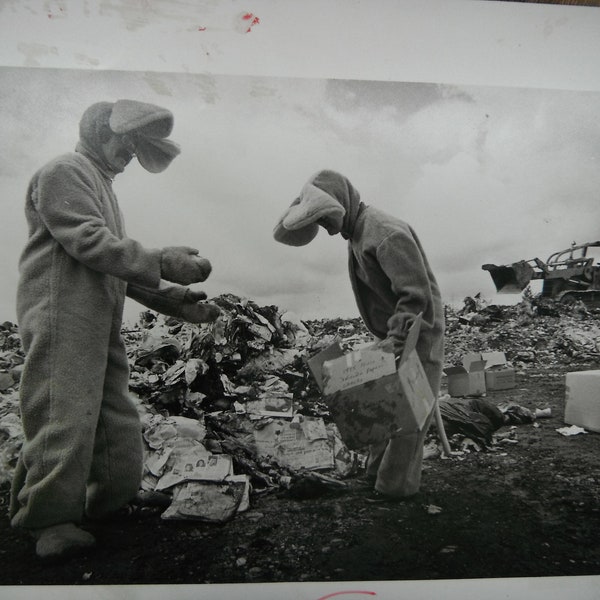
[534, 331]
[250, 360]
[11, 364]
[227, 408]
[475, 420]
[231, 409]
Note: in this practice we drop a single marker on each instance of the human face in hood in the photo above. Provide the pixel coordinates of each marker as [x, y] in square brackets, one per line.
[332, 224]
[118, 151]
[339, 187]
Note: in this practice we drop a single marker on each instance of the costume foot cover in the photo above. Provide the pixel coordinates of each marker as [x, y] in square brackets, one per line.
[60, 540]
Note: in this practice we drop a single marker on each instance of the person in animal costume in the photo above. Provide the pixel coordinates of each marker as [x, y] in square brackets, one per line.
[392, 283]
[82, 454]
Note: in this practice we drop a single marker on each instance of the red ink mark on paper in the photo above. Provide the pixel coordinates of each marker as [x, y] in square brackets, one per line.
[252, 19]
[347, 592]
[201, 28]
[51, 15]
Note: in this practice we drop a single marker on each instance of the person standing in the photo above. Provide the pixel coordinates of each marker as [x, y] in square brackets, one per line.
[392, 283]
[82, 453]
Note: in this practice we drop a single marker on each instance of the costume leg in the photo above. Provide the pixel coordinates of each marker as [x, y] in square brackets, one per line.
[376, 452]
[116, 472]
[399, 472]
[399, 466]
[61, 393]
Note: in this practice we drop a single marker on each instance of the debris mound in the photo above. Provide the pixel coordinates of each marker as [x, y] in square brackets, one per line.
[230, 409]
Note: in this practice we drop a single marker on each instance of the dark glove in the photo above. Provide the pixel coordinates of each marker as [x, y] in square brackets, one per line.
[194, 310]
[181, 264]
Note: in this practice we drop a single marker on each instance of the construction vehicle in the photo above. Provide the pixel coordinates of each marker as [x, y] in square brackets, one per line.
[567, 276]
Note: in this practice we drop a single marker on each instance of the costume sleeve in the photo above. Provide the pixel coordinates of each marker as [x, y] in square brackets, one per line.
[166, 299]
[401, 259]
[70, 208]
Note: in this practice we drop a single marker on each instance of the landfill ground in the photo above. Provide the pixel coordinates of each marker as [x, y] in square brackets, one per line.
[526, 506]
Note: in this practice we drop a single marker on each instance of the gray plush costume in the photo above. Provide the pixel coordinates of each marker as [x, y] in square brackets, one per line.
[392, 283]
[82, 452]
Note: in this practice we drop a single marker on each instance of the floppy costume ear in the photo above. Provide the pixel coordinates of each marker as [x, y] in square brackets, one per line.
[298, 226]
[150, 124]
[298, 237]
[154, 154]
[145, 119]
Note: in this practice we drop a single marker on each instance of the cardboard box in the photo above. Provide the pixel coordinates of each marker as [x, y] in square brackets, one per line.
[582, 405]
[467, 379]
[500, 379]
[370, 396]
[498, 374]
[315, 364]
[480, 373]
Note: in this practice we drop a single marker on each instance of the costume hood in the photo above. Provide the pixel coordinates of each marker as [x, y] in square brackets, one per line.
[149, 124]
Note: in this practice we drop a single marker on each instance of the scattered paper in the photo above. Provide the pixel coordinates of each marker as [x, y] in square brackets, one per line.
[195, 464]
[209, 501]
[165, 432]
[572, 430]
[302, 443]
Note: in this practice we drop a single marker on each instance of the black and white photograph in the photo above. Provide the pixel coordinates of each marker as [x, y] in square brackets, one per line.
[274, 327]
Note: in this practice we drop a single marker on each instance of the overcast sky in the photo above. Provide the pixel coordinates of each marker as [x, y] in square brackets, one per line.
[483, 174]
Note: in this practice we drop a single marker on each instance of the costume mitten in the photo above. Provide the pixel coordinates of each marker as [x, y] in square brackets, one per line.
[387, 345]
[194, 310]
[194, 296]
[398, 328]
[181, 264]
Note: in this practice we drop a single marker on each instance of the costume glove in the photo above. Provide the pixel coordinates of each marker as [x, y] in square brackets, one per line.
[193, 310]
[398, 327]
[181, 264]
[193, 296]
[386, 345]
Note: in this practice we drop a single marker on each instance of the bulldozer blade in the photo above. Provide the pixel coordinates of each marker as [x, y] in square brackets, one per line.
[510, 279]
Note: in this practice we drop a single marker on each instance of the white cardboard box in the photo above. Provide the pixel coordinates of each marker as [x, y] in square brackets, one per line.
[499, 375]
[582, 402]
[370, 396]
[480, 373]
[467, 379]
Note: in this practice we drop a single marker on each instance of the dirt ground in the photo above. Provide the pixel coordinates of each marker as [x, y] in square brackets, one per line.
[524, 509]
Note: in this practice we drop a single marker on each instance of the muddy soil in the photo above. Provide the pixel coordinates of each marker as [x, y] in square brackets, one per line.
[526, 508]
